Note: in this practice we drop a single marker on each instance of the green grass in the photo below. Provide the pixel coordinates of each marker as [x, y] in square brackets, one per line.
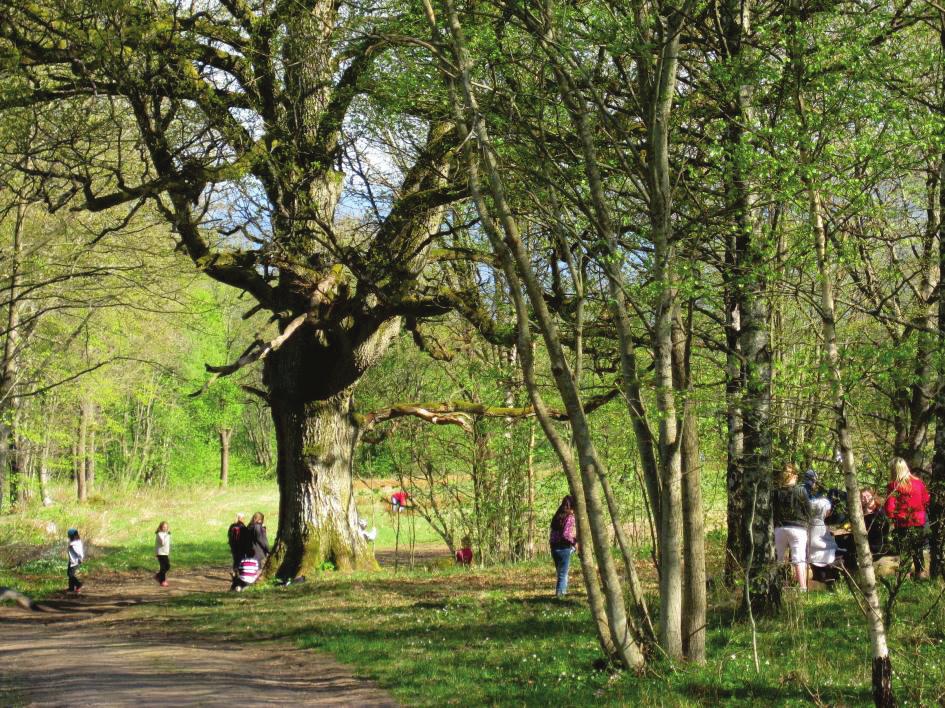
[483, 636]
[498, 637]
[117, 527]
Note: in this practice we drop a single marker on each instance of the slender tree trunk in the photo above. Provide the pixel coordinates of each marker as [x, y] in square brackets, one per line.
[510, 249]
[882, 666]
[694, 576]
[8, 365]
[748, 371]
[79, 461]
[25, 480]
[88, 462]
[664, 257]
[44, 470]
[937, 481]
[530, 544]
[735, 439]
[225, 434]
[16, 468]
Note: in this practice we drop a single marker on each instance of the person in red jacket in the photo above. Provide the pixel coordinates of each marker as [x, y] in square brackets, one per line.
[398, 501]
[906, 507]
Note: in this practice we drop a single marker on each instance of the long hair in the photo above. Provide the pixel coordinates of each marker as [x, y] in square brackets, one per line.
[900, 475]
[565, 509]
[788, 476]
[161, 527]
[258, 518]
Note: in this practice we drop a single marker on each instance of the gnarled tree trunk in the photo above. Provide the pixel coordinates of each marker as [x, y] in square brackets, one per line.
[316, 433]
[317, 512]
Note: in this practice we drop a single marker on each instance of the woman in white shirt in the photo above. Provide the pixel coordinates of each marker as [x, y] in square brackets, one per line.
[822, 549]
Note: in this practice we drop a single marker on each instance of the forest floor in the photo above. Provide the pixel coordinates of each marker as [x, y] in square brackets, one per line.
[95, 650]
[427, 633]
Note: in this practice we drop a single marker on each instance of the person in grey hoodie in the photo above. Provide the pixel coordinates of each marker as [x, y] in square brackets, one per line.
[162, 549]
[76, 556]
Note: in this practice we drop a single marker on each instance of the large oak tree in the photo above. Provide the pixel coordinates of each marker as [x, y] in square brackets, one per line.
[230, 117]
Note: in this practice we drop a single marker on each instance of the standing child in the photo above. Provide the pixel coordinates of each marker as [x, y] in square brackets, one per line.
[162, 549]
[76, 556]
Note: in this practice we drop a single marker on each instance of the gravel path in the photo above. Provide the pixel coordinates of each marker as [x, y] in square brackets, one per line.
[89, 651]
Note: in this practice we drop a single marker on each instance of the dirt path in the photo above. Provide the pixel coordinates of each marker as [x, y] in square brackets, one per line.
[90, 651]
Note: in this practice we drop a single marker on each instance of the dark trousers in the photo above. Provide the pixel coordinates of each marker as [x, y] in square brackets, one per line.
[237, 583]
[910, 541]
[74, 582]
[165, 565]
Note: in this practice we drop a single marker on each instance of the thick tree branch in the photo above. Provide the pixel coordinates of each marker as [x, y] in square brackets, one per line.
[462, 413]
[256, 351]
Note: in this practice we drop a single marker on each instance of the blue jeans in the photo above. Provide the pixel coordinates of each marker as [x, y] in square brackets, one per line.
[562, 557]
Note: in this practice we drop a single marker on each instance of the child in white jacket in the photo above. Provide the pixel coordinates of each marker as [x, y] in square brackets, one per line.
[76, 556]
[162, 549]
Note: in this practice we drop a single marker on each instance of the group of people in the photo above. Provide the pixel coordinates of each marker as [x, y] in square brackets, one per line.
[803, 514]
[249, 547]
[803, 537]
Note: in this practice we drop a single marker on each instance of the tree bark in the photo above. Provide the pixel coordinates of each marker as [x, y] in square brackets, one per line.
[82, 491]
[664, 257]
[8, 366]
[88, 463]
[882, 666]
[694, 574]
[44, 470]
[225, 434]
[316, 433]
[937, 481]
[530, 543]
[317, 513]
[735, 438]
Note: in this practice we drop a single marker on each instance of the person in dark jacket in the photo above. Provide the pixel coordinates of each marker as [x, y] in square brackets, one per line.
[874, 518]
[236, 537]
[792, 518]
[257, 543]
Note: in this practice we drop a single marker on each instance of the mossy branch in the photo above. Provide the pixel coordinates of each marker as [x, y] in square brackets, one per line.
[462, 413]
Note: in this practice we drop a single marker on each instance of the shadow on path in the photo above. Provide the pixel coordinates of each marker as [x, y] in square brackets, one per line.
[86, 651]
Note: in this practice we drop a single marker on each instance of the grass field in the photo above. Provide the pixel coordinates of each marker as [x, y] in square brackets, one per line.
[489, 636]
[117, 527]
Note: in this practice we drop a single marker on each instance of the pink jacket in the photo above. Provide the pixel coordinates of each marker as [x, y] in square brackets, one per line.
[567, 536]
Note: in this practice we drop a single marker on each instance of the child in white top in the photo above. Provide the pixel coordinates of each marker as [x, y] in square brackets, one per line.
[76, 556]
[162, 549]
